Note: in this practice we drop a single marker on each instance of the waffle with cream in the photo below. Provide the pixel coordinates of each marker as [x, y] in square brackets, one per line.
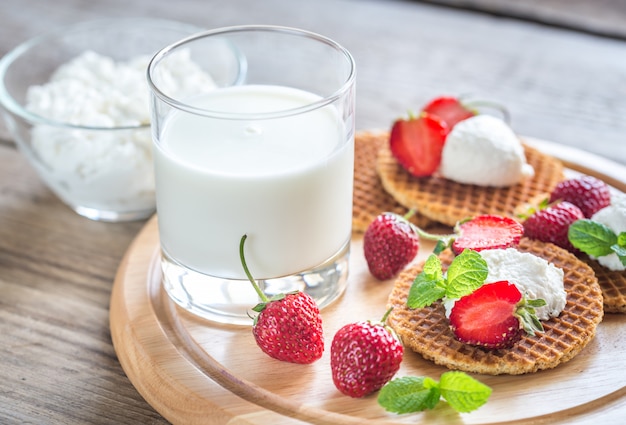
[427, 332]
[447, 202]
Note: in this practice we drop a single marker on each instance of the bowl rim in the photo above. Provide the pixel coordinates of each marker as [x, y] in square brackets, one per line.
[8, 102]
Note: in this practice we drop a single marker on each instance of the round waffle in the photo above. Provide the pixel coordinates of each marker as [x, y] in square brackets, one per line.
[448, 202]
[369, 198]
[427, 332]
[613, 286]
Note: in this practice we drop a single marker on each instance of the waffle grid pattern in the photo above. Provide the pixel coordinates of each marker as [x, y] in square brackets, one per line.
[613, 285]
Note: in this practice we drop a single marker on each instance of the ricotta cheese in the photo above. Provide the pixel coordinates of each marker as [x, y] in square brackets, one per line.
[483, 150]
[534, 277]
[614, 217]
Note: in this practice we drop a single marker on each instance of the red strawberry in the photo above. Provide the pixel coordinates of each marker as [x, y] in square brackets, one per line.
[389, 244]
[417, 143]
[551, 224]
[364, 356]
[288, 327]
[494, 316]
[587, 193]
[449, 109]
[487, 232]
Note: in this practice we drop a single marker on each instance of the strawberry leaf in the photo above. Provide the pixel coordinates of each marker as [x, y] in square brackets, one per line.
[409, 394]
[592, 238]
[466, 273]
[428, 286]
[462, 392]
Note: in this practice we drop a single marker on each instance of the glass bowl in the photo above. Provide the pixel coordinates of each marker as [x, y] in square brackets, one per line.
[88, 133]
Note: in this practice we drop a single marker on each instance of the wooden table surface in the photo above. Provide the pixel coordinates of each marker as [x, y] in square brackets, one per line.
[563, 78]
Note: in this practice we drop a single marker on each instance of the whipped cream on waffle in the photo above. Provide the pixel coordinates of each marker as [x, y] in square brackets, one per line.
[535, 278]
[483, 150]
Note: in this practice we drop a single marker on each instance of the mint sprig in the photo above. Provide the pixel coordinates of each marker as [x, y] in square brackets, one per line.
[466, 273]
[597, 239]
[414, 394]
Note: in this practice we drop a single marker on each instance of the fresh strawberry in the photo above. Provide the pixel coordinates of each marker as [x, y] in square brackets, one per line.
[417, 143]
[449, 109]
[364, 356]
[586, 192]
[389, 244]
[487, 232]
[494, 316]
[551, 224]
[288, 327]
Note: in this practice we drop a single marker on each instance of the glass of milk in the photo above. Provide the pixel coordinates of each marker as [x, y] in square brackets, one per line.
[268, 153]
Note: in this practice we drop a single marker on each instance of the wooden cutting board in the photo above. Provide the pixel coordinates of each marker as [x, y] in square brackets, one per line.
[196, 372]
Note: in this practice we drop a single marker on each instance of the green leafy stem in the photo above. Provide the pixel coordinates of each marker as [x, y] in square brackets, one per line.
[414, 394]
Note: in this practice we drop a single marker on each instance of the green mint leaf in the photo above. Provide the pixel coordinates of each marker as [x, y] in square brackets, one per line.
[409, 394]
[591, 237]
[462, 392]
[621, 253]
[424, 292]
[428, 286]
[467, 273]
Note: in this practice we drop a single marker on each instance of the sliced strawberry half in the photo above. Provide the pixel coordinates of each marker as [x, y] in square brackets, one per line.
[449, 109]
[487, 232]
[417, 143]
[494, 316]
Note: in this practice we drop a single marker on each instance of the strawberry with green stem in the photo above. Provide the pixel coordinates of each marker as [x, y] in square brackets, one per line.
[485, 231]
[288, 327]
[364, 356]
[390, 243]
[551, 222]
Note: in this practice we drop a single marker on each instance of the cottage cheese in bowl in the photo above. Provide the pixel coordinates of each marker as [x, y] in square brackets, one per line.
[105, 162]
[483, 150]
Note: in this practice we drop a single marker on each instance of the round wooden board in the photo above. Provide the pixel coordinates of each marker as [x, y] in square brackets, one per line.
[193, 371]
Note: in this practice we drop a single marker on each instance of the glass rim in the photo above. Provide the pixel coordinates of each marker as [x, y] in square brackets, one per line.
[323, 101]
[12, 105]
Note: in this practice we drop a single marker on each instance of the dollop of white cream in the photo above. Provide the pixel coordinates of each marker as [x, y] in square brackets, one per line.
[535, 278]
[483, 150]
[614, 217]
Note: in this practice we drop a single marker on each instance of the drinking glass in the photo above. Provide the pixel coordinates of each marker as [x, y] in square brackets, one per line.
[264, 148]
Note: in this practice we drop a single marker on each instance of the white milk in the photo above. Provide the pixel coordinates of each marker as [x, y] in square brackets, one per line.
[285, 182]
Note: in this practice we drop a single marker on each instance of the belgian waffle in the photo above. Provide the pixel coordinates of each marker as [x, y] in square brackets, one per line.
[370, 199]
[427, 332]
[448, 202]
